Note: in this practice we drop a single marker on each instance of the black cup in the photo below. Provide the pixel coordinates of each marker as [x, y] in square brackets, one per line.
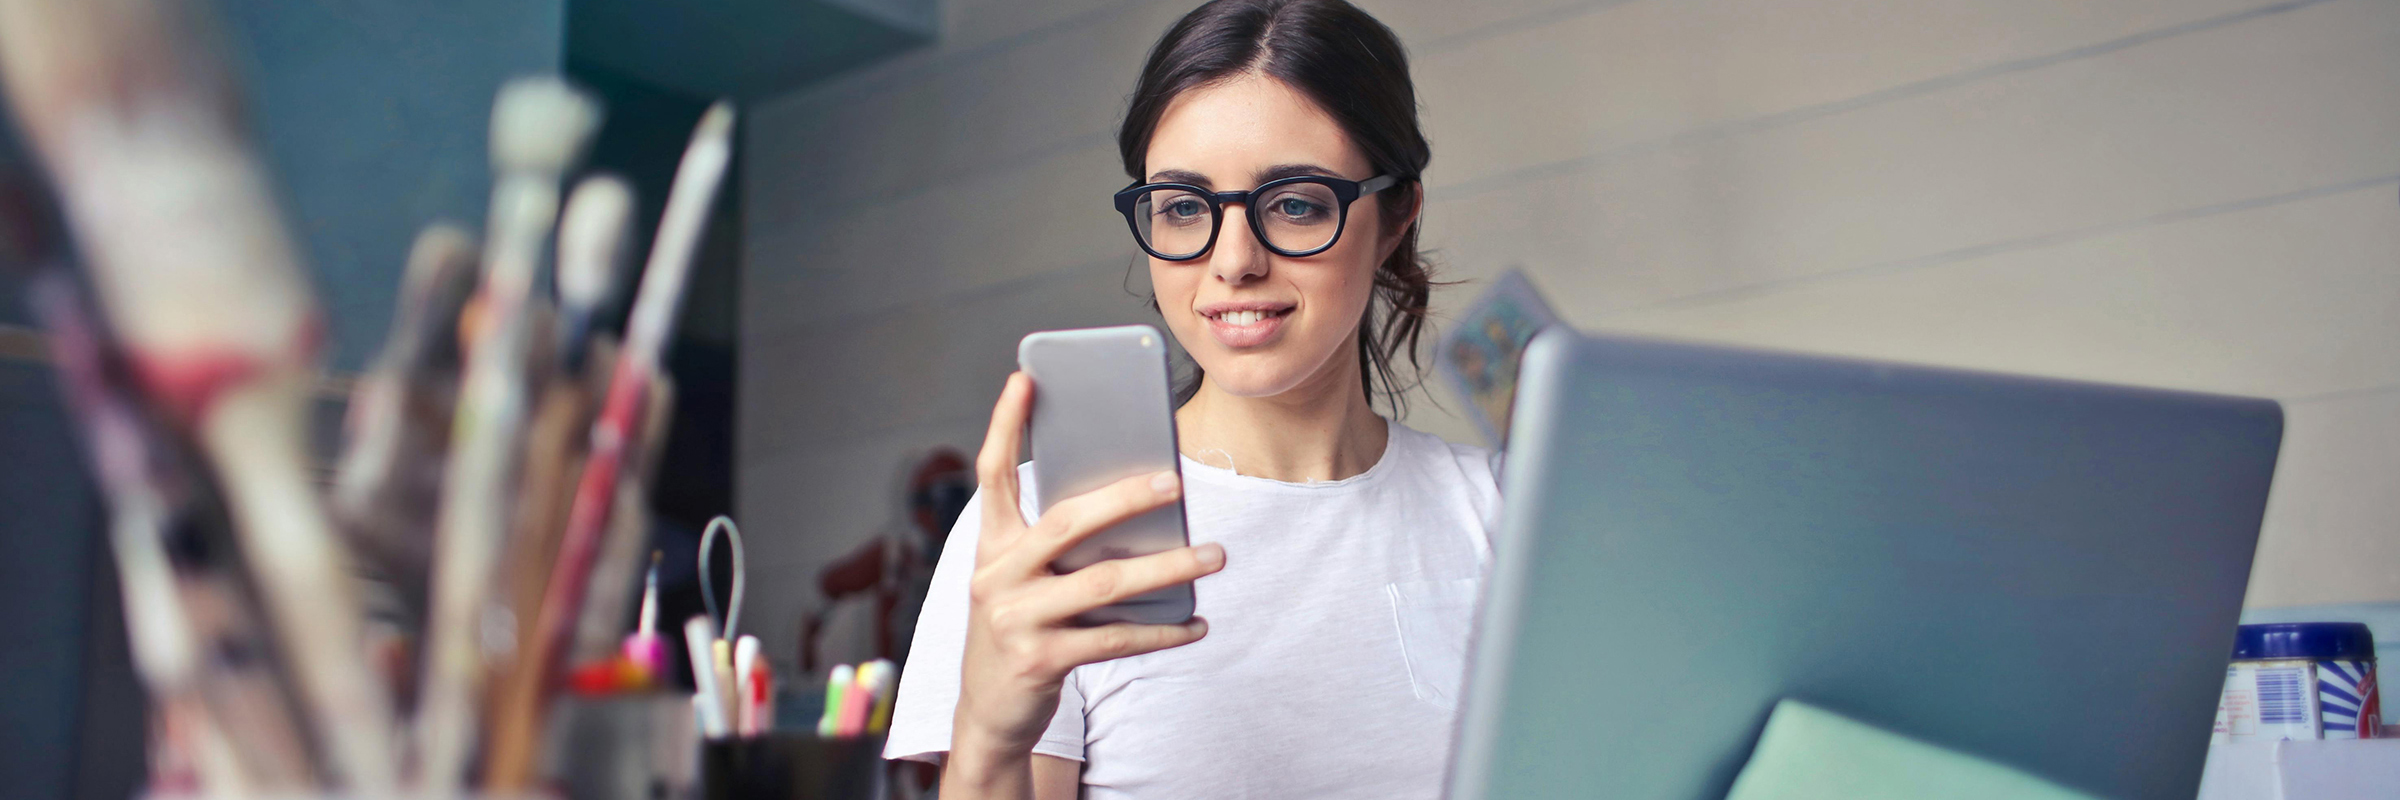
[792, 766]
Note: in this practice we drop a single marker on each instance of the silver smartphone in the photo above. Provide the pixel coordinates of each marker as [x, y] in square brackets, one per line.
[1102, 413]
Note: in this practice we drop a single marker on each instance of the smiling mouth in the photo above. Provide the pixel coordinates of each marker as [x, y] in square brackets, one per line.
[1244, 319]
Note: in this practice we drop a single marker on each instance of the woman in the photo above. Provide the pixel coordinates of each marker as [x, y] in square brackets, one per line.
[1276, 155]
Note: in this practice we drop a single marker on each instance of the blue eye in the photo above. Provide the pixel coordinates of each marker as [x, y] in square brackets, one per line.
[1295, 207]
[1183, 210]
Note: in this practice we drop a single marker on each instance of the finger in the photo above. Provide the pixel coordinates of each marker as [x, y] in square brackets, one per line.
[996, 466]
[1076, 518]
[1115, 580]
[1121, 639]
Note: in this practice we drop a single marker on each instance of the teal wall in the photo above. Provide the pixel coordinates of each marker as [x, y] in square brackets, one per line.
[374, 115]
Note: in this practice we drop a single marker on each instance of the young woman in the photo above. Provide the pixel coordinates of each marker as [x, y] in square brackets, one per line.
[1276, 157]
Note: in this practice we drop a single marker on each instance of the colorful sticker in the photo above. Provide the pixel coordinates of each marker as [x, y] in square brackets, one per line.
[2346, 699]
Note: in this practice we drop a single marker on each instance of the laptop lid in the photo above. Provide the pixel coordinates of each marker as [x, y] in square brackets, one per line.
[2043, 573]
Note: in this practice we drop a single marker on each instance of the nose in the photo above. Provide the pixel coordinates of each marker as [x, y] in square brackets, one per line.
[1238, 257]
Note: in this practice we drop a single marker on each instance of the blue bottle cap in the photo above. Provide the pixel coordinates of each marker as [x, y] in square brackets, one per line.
[2312, 640]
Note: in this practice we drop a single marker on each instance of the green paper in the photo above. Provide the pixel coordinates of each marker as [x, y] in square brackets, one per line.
[1808, 753]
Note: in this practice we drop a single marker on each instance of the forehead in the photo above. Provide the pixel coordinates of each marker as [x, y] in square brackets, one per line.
[1233, 130]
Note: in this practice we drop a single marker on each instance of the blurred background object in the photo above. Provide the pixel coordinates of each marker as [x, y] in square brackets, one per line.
[372, 115]
[870, 597]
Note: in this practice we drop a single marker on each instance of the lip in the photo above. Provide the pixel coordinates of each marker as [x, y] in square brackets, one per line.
[1242, 337]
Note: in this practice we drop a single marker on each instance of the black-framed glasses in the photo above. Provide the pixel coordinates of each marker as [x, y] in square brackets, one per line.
[1296, 216]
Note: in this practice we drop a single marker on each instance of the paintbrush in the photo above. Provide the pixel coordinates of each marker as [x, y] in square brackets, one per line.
[591, 244]
[198, 695]
[631, 384]
[141, 133]
[562, 426]
[539, 127]
[601, 626]
[592, 238]
[388, 482]
[136, 467]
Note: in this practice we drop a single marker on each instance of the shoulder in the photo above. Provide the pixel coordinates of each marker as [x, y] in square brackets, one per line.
[1460, 473]
[1478, 467]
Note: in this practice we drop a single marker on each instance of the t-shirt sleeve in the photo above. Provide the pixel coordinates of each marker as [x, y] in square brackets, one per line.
[929, 683]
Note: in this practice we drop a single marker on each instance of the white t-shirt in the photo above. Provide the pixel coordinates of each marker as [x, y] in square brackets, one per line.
[1336, 640]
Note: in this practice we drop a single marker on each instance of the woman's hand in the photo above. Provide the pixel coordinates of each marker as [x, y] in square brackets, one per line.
[1020, 641]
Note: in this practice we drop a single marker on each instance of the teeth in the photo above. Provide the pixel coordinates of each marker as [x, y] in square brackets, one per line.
[1244, 318]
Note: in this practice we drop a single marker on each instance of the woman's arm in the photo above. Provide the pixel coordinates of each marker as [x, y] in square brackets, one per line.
[1040, 777]
[1020, 641]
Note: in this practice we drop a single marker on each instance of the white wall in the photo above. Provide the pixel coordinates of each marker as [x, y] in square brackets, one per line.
[2197, 194]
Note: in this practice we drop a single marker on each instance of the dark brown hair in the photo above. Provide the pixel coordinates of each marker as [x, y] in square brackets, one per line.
[1351, 66]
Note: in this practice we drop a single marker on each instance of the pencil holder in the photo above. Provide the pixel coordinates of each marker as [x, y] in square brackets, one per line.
[792, 766]
[628, 747]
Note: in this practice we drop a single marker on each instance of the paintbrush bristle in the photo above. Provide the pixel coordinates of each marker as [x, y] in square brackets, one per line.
[441, 250]
[540, 124]
[717, 123]
[591, 240]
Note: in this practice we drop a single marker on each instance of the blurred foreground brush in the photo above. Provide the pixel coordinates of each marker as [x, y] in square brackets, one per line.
[140, 131]
[192, 629]
[225, 725]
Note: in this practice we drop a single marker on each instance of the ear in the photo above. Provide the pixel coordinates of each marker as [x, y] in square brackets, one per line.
[1392, 235]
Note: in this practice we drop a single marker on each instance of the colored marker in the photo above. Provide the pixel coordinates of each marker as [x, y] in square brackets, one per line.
[837, 688]
[760, 706]
[699, 637]
[745, 661]
[887, 687]
[858, 702]
[730, 695]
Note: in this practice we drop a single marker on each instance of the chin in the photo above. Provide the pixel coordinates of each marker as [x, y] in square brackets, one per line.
[1268, 372]
[1253, 380]
[1284, 363]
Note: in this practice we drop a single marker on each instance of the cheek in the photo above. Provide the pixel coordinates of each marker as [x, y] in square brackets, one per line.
[1173, 285]
[1348, 286]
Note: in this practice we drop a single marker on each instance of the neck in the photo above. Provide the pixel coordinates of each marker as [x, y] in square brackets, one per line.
[1321, 430]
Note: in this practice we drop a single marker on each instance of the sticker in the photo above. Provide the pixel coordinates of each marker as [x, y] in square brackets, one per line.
[1479, 353]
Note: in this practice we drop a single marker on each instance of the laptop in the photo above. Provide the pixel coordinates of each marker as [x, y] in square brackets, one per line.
[2042, 573]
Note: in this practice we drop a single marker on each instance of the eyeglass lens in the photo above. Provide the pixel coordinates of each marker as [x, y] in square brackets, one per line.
[1293, 217]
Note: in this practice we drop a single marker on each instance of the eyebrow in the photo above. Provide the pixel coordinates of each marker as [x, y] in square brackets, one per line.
[1181, 176]
[1274, 173]
[1282, 171]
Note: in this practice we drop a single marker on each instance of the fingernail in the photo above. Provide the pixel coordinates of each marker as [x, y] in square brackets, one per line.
[1163, 483]
[1212, 555]
[1199, 625]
